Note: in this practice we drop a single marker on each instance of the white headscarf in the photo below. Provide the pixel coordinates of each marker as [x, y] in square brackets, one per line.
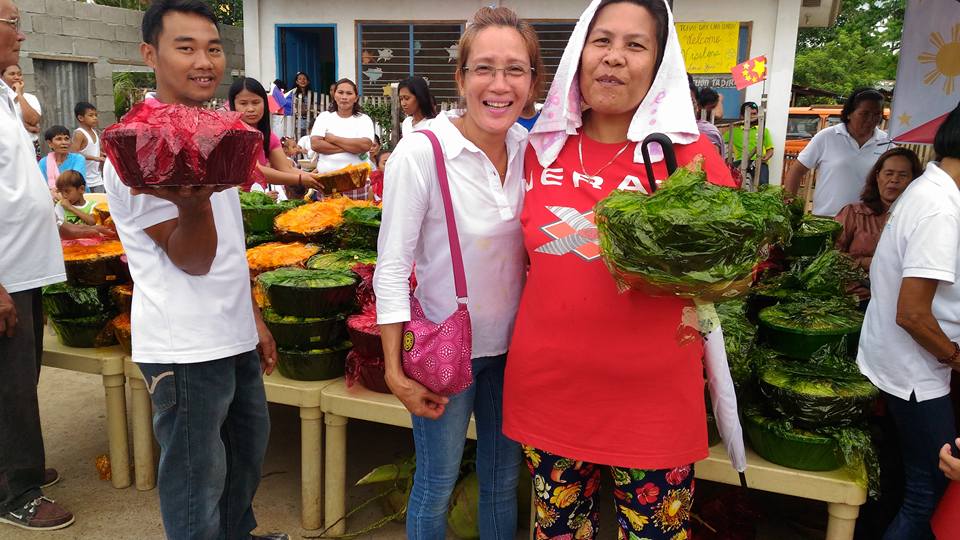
[665, 109]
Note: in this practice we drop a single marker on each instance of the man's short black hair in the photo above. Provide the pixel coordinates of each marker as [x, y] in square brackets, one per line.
[708, 96]
[82, 107]
[54, 131]
[946, 143]
[153, 18]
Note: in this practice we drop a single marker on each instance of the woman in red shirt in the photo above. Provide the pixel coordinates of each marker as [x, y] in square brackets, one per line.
[594, 376]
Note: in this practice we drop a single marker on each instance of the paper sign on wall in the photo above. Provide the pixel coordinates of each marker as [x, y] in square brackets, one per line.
[709, 47]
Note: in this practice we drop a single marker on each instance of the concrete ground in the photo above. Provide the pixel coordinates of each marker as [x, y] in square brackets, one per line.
[72, 410]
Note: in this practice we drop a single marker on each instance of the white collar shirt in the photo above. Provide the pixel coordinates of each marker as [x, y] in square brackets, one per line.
[842, 166]
[413, 233]
[921, 240]
[178, 318]
[30, 252]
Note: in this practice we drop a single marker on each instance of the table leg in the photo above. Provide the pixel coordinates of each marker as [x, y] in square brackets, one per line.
[533, 509]
[115, 389]
[842, 521]
[311, 469]
[144, 463]
[336, 482]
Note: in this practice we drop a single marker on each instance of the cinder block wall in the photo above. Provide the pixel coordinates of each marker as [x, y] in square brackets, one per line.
[107, 38]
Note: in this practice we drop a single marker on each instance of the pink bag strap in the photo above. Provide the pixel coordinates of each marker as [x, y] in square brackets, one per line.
[52, 170]
[459, 277]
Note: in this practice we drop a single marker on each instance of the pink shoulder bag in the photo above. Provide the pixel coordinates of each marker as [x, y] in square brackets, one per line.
[437, 355]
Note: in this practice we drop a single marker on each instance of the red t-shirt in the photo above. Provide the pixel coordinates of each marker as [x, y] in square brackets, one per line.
[594, 374]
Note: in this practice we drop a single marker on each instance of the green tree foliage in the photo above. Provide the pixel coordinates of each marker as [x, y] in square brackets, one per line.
[228, 11]
[859, 50]
[128, 88]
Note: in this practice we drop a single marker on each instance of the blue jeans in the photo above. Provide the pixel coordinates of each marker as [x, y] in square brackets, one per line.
[212, 424]
[439, 446]
[922, 428]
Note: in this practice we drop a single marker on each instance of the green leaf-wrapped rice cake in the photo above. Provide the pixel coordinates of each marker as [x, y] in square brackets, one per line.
[314, 364]
[690, 238]
[301, 292]
[304, 332]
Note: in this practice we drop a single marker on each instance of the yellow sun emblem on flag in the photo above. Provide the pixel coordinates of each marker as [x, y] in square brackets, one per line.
[945, 58]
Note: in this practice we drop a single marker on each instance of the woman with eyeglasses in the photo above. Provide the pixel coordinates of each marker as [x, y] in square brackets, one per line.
[417, 103]
[598, 378]
[843, 154]
[499, 70]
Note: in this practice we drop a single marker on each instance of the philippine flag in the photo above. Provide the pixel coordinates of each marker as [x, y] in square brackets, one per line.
[927, 85]
[278, 103]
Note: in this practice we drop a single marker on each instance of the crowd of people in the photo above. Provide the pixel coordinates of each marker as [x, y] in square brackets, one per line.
[567, 380]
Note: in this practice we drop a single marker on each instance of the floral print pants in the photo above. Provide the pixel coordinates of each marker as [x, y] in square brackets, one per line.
[651, 504]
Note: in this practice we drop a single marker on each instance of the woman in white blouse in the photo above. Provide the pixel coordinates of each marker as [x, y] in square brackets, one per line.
[417, 103]
[498, 71]
[342, 135]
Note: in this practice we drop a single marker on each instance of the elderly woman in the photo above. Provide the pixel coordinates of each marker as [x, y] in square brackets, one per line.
[908, 344]
[843, 153]
[863, 221]
[595, 377]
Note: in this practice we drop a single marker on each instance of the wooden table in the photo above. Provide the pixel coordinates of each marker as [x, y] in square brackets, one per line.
[842, 495]
[108, 363]
[339, 403]
[307, 396]
[279, 389]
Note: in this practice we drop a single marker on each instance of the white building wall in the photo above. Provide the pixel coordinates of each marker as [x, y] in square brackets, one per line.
[773, 33]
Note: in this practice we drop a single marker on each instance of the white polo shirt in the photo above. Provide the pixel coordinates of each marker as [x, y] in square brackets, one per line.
[178, 318]
[351, 127]
[842, 166]
[921, 239]
[30, 252]
[414, 230]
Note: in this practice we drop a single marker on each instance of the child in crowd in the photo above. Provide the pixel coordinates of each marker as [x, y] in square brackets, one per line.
[374, 151]
[76, 209]
[60, 158]
[382, 158]
[306, 152]
[376, 177]
[86, 141]
[291, 150]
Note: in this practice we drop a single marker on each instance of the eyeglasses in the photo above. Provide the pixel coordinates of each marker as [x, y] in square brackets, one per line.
[488, 72]
[15, 23]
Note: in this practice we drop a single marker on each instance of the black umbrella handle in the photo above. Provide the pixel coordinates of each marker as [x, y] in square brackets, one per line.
[669, 156]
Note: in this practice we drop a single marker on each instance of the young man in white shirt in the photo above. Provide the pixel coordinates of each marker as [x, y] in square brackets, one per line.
[909, 341]
[196, 331]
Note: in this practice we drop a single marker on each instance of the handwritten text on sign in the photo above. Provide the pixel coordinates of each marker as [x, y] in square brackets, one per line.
[709, 47]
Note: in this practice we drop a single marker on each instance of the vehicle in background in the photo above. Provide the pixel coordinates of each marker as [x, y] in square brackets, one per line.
[805, 122]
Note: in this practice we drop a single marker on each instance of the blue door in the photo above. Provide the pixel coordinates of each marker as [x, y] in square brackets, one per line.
[311, 48]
